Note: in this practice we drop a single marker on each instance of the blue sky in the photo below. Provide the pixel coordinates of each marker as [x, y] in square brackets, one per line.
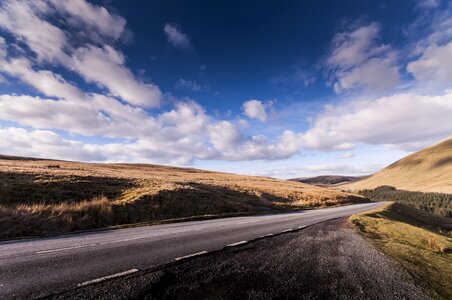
[274, 88]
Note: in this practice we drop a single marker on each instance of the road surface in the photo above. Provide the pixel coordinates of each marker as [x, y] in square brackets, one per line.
[324, 261]
[44, 266]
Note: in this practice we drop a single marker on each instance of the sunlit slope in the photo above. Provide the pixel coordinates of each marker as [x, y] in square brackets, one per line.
[47, 196]
[429, 170]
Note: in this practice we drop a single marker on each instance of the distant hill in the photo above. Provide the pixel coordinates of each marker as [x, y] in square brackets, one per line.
[44, 197]
[328, 180]
[428, 170]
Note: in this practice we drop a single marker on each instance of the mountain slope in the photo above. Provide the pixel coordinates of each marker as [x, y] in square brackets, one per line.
[328, 180]
[428, 170]
[40, 197]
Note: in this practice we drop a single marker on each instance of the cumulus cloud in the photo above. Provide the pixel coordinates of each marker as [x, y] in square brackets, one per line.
[356, 60]
[23, 19]
[113, 102]
[29, 22]
[176, 37]
[105, 66]
[96, 17]
[44, 143]
[434, 65]
[398, 119]
[256, 109]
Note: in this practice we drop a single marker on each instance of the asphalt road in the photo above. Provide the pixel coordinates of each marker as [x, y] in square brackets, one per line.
[44, 266]
[324, 261]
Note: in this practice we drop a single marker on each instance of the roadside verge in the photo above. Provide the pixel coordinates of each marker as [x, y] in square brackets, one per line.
[420, 242]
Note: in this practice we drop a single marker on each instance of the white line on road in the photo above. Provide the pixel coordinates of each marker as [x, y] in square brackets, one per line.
[237, 244]
[108, 277]
[287, 230]
[61, 249]
[302, 226]
[190, 255]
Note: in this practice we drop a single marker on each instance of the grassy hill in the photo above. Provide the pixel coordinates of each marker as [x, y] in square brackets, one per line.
[328, 180]
[429, 170]
[41, 197]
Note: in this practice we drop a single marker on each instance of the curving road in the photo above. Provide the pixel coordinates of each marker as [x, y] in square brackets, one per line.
[38, 267]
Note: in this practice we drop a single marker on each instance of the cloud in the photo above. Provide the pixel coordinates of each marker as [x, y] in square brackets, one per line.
[255, 109]
[97, 62]
[96, 17]
[356, 60]
[44, 143]
[22, 20]
[428, 3]
[346, 155]
[58, 40]
[105, 66]
[176, 37]
[397, 120]
[434, 65]
[191, 85]
[319, 169]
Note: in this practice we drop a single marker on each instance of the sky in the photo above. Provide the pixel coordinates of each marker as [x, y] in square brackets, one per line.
[273, 88]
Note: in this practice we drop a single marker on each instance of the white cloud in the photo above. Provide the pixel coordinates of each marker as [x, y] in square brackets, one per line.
[185, 132]
[97, 17]
[225, 136]
[346, 155]
[434, 65]
[255, 109]
[176, 37]
[105, 66]
[358, 61]
[44, 143]
[396, 120]
[378, 73]
[21, 19]
[45, 81]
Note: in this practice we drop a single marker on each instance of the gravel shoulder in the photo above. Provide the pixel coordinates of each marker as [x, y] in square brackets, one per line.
[325, 261]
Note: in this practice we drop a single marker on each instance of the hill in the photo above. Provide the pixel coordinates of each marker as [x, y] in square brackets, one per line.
[328, 180]
[42, 197]
[429, 170]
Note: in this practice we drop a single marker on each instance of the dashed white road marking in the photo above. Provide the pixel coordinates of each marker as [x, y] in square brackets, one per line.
[237, 244]
[108, 277]
[287, 230]
[60, 249]
[302, 226]
[95, 244]
[129, 239]
[190, 255]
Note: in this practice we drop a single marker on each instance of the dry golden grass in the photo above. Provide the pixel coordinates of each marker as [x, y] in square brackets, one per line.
[421, 242]
[40, 197]
[429, 170]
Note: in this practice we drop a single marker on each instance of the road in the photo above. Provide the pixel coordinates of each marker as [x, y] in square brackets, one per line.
[324, 261]
[43, 266]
